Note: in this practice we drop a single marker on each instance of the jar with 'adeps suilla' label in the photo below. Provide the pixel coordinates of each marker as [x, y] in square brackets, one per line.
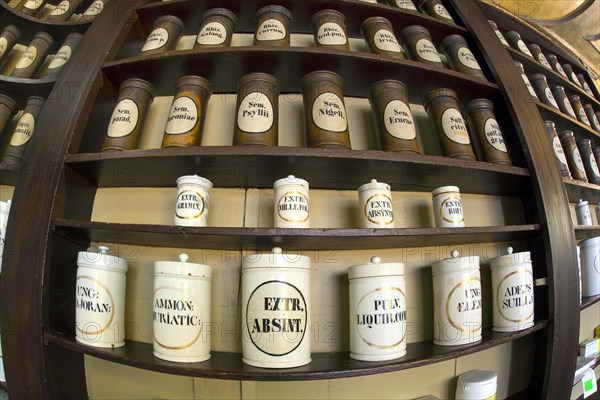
[291, 208]
[417, 43]
[459, 56]
[164, 36]
[558, 150]
[329, 30]
[479, 114]
[216, 28]
[273, 26]
[379, 35]
[567, 139]
[192, 201]
[375, 205]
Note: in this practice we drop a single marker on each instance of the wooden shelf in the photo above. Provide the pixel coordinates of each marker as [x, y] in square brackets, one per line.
[297, 239]
[249, 166]
[566, 122]
[323, 365]
[586, 232]
[19, 89]
[582, 190]
[589, 301]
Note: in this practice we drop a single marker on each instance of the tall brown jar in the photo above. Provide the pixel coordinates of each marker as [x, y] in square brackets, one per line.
[526, 81]
[403, 4]
[7, 109]
[563, 102]
[185, 122]
[594, 123]
[589, 161]
[33, 56]
[63, 55]
[329, 30]
[15, 152]
[517, 43]
[479, 114]
[578, 108]
[273, 26]
[127, 119]
[585, 85]
[164, 36]
[553, 61]
[498, 33]
[393, 118]
[435, 9]
[325, 114]
[63, 10]
[8, 38]
[537, 53]
[571, 74]
[543, 91]
[596, 151]
[459, 56]
[257, 110]
[573, 156]
[216, 28]
[416, 41]
[444, 114]
[94, 10]
[561, 160]
[379, 35]
[32, 7]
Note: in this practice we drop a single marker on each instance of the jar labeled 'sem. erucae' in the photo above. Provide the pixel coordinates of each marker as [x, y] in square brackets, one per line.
[216, 28]
[273, 26]
[481, 120]
[417, 43]
[375, 206]
[379, 35]
[192, 201]
[459, 56]
[377, 311]
[100, 299]
[164, 36]
[276, 310]
[590, 266]
[33, 56]
[447, 207]
[8, 39]
[22, 132]
[567, 139]
[457, 300]
[512, 292]
[181, 310]
[291, 208]
[329, 30]
[558, 149]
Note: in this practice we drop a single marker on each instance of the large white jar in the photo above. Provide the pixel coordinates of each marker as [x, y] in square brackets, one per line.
[191, 204]
[100, 299]
[276, 309]
[375, 207]
[457, 300]
[512, 291]
[590, 266]
[181, 310]
[377, 311]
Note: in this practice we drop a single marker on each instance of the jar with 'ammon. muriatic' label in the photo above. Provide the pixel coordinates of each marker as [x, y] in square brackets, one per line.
[257, 110]
[375, 207]
[216, 28]
[164, 36]
[543, 91]
[567, 139]
[329, 30]
[379, 35]
[63, 55]
[578, 108]
[63, 10]
[558, 150]
[192, 201]
[377, 311]
[33, 56]
[447, 207]
[7, 108]
[435, 9]
[326, 120]
[459, 56]
[291, 208]
[127, 120]
[417, 43]
[517, 43]
[393, 117]
[479, 114]
[185, 122]
[448, 123]
[564, 105]
[273, 26]
[589, 161]
[8, 39]
[22, 132]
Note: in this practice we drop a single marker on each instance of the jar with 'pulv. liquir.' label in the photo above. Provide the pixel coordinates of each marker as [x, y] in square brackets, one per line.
[379, 35]
[329, 30]
[567, 139]
[164, 36]
[457, 300]
[216, 28]
[558, 150]
[192, 201]
[377, 311]
[375, 206]
[273, 26]
[447, 207]
[417, 43]
[181, 310]
[459, 56]
[276, 310]
[481, 120]
[291, 208]
[512, 291]
[100, 299]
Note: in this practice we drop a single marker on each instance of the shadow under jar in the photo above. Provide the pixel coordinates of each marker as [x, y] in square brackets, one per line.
[164, 36]
[216, 28]
[329, 30]
[567, 139]
[460, 57]
[479, 114]
[380, 38]
[273, 26]
[416, 41]
[33, 56]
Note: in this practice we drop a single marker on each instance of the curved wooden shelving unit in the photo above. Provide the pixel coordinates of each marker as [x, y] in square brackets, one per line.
[19, 89]
[589, 301]
[323, 365]
[577, 190]
[566, 122]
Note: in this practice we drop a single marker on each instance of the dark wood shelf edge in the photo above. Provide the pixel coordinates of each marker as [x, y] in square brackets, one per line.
[323, 366]
[587, 232]
[587, 129]
[589, 301]
[577, 190]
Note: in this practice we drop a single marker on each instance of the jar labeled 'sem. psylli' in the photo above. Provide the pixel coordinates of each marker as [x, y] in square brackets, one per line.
[375, 206]
[192, 201]
[291, 208]
[447, 207]
[377, 311]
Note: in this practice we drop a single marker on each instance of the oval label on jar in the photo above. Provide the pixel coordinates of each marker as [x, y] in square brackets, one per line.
[463, 306]
[398, 120]
[23, 130]
[578, 161]
[124, 119]
[583, 116]
[189, 205]
[514, 296]
[558, 150]
[33, 4]
[3, 45]
[406, 5]
[594, 165]
[158, 38]
[94, 307]
[493, 135]
[61, 58]
[179, 317]
[595, 122]
[183, 116]
[276, 318]
[61, 8]
[560, 69]
[386, 41]
[528, 84]
[329, 113]
[378, 209]
[271, 29]
[212, 34]
[292, 207]
[575, 79]
[454, 126]
[501, 37]
[550, 97]
[523, 47]
[27, 58]
[466, 58]
[255, 114]
[381, 318]
[331, 34]
[569, 107]
[542, 59]
[451, 210]
[94, 9]
[442, 12]
[426, 50]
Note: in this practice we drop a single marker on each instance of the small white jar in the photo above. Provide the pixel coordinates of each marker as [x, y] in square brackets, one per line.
[191, 204]
[447, 207]
[100, 299]
[457, 300]
[582, 211]
[477, 385]
[181, 310]
[291, 203]
[276, 310]
[590, 266]
[512, 292]
[375, 205]
[377, 311]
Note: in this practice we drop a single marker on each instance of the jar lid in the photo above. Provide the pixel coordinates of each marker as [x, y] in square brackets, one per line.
[591, 242]
[536, 77]
[138, 83]
[573, 98]
[101, 260]
[194, 180]
[322, 75]
[534, 47]
[45, 37]
[374, 20]
[550, 124]
[35, 101]
[565, 135]
[387, 84]
[259, 76]
[519, 65]
[455, 264]
[514, 34]
[483, 378]
[445, 189]
[172, 19]
[13, 30]
[220, 12]
[449, 40]
[290, 180]
[324, 13]
[276, 259]
[477, 104]
[582, 203]
[411, 30]
[275, 9]
[7, 102]
[584, 143]
[374, 185]
[5, 206]
[375, 269]
[557, 87]
[194, 80]
[437, 93]
[183, 268]
[511, 259]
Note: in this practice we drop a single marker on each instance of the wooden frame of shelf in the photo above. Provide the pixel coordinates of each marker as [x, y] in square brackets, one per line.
[577, 190]
[566, 122]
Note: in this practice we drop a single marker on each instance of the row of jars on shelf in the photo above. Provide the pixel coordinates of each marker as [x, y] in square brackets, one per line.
[32, 61]
[550, 62]
[325, 113]
[276, 307]
[329, 31]
[63, 11]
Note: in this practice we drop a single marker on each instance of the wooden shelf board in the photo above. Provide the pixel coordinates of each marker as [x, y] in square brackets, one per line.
[266, 238]
[256, 166]
[589, 301]
[323, 365]
[566, 122]
[19, 89]
[582, 190]
[586, 232]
